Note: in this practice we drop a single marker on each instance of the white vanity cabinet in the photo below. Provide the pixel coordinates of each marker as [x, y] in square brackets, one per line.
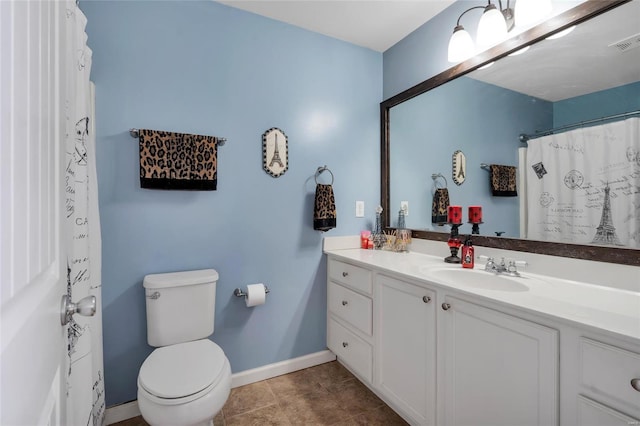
[405, 347]
[497, 369]
[440, 355]
[350, 316]
[608, 384]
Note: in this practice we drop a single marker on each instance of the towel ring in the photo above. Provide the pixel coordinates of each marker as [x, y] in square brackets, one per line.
[319, 172]
[435, 177]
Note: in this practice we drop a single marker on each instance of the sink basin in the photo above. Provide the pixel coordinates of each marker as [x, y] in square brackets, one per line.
[478, 279]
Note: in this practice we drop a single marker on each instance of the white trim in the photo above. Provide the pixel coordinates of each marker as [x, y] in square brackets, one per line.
[341, 243]
[118, 413]
[279, 368]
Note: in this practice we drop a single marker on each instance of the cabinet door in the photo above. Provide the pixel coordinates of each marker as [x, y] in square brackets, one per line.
[591, 413]
[405, 347]
[498, 369]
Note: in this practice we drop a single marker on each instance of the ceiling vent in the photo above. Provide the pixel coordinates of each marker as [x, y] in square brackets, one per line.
[627, 43]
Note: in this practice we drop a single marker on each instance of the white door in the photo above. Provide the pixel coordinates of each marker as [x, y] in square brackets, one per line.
[499, 370]
[406, 347]
[32, 265]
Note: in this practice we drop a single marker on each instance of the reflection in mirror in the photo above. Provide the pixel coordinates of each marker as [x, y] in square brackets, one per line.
[588, 74]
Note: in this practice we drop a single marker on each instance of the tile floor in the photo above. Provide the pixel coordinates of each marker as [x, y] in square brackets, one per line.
[326, 394]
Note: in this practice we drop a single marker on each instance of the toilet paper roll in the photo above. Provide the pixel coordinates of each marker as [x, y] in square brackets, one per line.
[256, 295]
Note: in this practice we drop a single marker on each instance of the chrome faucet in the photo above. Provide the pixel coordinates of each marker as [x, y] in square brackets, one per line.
[503, 268]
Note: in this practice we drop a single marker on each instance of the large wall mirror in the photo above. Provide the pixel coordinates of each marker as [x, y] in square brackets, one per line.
[482, 111]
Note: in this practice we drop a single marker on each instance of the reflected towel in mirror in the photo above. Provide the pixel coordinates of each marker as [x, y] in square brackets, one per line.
[440, 206]
[503, 180]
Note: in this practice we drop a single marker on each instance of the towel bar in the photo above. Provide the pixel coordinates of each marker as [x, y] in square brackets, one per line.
[485, 166]
[435, 177]
[136, 134]
[322, 169]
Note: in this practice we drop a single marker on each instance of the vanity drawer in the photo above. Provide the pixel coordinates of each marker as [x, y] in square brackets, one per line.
[608, 371]
[351, 275]
[352, 307]
[352, 350]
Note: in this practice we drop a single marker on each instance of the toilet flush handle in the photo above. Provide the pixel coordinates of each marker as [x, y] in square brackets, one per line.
[85, 307]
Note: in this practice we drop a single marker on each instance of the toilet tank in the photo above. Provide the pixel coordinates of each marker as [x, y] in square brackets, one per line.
[180, 306]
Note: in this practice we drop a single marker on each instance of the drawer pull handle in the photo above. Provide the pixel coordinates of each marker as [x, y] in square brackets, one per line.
[345, 274]
[635, 383]
[345, 344]
[446, 306]
[345, 303]
[426, 299]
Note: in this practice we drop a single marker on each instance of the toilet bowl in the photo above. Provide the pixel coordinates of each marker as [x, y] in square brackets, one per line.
[185, 384]
[187, 379]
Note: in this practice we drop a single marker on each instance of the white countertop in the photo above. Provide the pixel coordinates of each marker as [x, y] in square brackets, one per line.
[603, 308]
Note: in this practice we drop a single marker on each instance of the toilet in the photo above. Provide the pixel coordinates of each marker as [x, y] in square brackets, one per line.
[186, 380]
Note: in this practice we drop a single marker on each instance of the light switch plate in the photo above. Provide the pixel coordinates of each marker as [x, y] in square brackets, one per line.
[359, 208]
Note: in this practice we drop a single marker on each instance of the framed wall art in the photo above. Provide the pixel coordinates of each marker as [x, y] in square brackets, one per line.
[275, 152]
[459, 167]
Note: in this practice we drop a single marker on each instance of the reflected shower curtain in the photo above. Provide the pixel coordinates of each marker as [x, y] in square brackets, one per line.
[84, 374]
[583, 186]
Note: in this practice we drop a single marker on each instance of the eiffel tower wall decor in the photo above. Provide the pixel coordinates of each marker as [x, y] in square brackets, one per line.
[459, 167]
[275, 152]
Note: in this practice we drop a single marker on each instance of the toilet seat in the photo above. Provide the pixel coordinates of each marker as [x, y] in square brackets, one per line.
[180, 373]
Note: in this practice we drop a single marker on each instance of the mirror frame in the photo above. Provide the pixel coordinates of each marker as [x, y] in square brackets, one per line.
[576, 15]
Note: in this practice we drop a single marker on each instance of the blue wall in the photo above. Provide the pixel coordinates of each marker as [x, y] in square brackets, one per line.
[480, 119]
[202, 67]
[613, 101]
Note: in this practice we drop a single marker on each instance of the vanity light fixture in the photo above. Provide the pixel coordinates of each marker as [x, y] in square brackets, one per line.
[561, 33]
[519, 51]
[494, 25]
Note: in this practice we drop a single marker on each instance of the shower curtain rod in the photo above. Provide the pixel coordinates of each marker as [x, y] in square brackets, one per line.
[524, 138]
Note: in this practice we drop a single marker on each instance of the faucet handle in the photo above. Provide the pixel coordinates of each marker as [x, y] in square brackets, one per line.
[490, 265]
[512, 268]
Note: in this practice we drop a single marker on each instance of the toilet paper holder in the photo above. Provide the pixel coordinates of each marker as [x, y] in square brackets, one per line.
[239, 293]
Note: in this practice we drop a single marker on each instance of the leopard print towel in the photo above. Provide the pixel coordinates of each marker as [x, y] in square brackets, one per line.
[440, 206]
[324, 211]
[177, 160]
[503, 180]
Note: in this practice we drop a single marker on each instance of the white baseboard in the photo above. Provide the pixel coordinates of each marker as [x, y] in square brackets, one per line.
[118, 413]
[279, 368]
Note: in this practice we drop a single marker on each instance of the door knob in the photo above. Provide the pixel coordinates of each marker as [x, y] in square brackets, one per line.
[446, 306]
[85, 307]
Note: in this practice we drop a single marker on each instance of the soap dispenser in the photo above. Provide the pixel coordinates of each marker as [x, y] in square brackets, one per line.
[467, 253]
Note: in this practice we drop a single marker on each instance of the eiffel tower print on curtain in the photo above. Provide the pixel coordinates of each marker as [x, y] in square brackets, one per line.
[275, 147]
[606, 232]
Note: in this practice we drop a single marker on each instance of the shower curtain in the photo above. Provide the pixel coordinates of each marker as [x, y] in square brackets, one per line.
[84, 373]
[583, 186]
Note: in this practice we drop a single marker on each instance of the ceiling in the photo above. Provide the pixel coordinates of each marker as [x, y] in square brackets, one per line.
[377, 24]
[577, 64]
[580, 63]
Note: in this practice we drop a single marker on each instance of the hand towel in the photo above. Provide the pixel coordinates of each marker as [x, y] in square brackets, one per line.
[503, 180]
[324, 211]
[171, 160]
[439, 206]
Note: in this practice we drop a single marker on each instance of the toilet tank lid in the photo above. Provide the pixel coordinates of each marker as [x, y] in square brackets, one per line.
[177, 279]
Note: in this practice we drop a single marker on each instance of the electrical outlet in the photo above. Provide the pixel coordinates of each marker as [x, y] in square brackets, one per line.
[359, 208]
[404, 205]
